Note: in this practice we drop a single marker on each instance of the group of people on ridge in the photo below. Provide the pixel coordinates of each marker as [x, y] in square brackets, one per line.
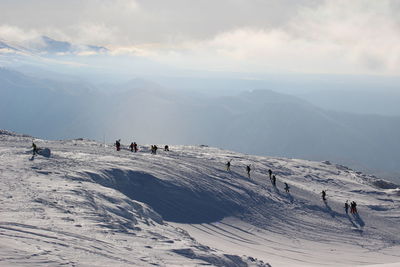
[272, 177]
[154, 149]
[134, 147]
[353, 207]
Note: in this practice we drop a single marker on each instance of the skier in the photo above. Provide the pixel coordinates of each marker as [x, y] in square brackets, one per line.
[34, 148]
[346, 207]
[248, 169]
[287, 188]
[132, 146]
[118, 144]
[228, 166]
[155, 149]
[353, 207]
[270, 174]
[135, 148]
[166, 148]
[273, 180]
[323, 193]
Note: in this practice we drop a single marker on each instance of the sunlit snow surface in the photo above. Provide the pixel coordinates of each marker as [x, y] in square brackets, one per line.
[89, 205]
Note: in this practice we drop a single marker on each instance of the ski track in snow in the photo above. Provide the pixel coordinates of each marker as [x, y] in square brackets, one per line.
[89, 205]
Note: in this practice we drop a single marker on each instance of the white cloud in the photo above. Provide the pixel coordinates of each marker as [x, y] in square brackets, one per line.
[89, 33]
[357, 37]
[18, 35]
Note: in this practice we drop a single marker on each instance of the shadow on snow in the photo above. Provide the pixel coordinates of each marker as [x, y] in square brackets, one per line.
[173, 202]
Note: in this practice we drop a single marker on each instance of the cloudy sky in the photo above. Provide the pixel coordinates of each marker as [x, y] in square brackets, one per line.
[263, 36]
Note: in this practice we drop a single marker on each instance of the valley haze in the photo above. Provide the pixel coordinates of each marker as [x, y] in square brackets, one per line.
[254, 121]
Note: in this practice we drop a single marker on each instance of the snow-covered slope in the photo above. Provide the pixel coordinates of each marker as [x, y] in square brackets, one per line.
[89, 205]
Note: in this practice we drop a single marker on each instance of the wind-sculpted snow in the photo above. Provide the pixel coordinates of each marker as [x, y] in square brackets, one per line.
[174, 202]
[89, 205]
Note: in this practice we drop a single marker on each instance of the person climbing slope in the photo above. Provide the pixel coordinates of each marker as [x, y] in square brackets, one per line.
[248, 169]
[154, 149]
[346, 206]
[34, 147]
[323, 194]
[353, 207]
[273, 180]
[118, 144]
[228, 165]
[287, 188]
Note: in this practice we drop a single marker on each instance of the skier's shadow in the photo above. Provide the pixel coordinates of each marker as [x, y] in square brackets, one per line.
[276, 190]
[359, 220]
[287, 195]
[290, 197]
[244, 177]
[357, 228]
[329, 209]
[351, 221]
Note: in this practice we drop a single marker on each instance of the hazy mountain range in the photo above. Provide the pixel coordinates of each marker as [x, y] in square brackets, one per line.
[261, 122]
[47, 45]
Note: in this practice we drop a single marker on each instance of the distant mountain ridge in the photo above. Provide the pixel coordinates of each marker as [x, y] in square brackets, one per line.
[47, 45]
[260, 122]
